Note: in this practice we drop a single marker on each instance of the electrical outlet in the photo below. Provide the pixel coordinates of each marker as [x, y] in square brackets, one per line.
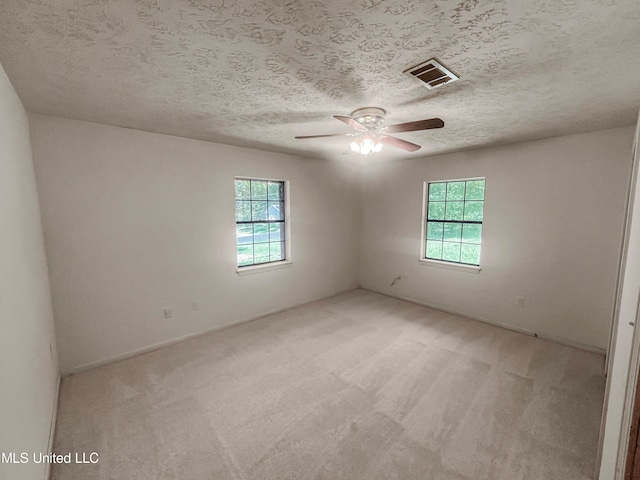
[405, 278]
[195, 305]
[167, 313]
[520, 302]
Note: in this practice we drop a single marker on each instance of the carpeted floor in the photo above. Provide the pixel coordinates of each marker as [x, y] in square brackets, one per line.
[358, 386]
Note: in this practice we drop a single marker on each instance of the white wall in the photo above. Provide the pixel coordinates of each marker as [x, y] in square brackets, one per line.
[623, 367]
[552, 231]
[135, 222]
[28, 365]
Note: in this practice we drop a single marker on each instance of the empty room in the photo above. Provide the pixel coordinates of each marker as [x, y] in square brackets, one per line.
[362, 239]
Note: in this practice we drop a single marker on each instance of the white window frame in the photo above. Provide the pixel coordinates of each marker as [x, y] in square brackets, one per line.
[460, 267]
[265, 267]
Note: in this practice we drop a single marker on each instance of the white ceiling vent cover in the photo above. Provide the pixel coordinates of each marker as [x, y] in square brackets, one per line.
[431, 74]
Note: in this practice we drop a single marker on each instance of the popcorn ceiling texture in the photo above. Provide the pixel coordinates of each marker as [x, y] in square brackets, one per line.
[256, 73]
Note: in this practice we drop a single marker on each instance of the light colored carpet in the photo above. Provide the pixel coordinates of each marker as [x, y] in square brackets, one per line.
[358, 386]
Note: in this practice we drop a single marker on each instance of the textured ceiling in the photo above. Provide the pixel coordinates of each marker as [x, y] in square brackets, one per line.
[256, 73]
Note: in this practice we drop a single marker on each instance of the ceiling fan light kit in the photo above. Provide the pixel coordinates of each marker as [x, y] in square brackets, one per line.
[367, 142]
[366, 145]
[371, 134]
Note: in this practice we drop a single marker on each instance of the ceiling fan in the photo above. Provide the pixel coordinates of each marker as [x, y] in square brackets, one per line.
[371, 134]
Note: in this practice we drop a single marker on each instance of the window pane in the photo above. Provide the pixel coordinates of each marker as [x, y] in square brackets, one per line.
[260, 232]
[434, 250]
[471, 232]
[434, 230]
[276, 251]
[275, 232]
[452, 232]
[470, 254]
[454, 211]
[243, 189]
[275, 211]
[243, 211]
[455, 191]
[244, 233]
[258, 211]
[245, 255]
[260, 228]
[473, 211]
[436, 211]
[437, 192]
[276, 191]
[451, 252]
[258, 190]
[261, 252]
[475, 190]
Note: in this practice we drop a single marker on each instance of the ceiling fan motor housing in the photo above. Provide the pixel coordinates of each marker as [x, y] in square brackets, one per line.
[370, 117]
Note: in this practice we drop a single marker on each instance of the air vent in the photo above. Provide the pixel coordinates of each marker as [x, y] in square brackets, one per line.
[431, 74]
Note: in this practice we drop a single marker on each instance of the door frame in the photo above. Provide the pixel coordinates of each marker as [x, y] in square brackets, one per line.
[623, 359]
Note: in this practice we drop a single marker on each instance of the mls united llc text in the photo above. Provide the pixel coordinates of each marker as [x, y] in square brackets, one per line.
[24, 457]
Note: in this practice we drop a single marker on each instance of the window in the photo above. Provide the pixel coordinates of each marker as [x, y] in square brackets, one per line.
[260, 221]
[453, 221]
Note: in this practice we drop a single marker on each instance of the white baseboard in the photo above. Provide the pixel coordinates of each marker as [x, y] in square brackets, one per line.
[544, 336]
[52, 427]
[156, 346]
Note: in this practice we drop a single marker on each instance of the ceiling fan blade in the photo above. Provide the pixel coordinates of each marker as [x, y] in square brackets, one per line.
[327, 135]
[417, 125]
[351, 122]
[397, 142]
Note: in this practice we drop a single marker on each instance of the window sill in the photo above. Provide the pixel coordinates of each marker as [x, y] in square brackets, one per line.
[263, 268]
[450, 266]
